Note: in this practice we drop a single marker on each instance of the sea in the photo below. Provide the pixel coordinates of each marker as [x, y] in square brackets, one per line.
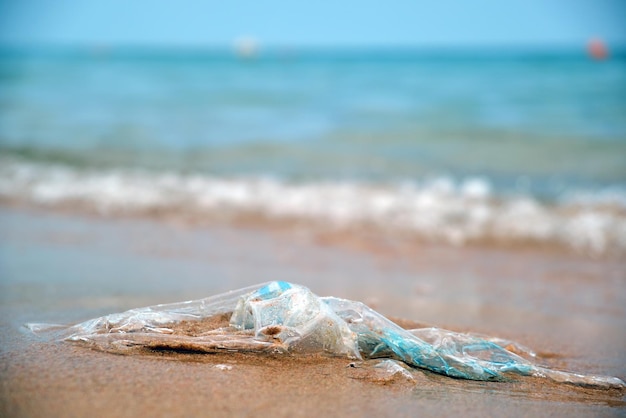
[450, 146]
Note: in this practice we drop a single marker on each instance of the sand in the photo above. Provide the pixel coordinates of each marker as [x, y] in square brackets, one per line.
[63, 268]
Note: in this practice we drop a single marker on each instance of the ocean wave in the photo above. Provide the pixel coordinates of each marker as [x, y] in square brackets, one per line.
[440, 209]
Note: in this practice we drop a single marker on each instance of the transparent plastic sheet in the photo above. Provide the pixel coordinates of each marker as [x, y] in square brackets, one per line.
[280, 317]
[464, 356]
[152, 325]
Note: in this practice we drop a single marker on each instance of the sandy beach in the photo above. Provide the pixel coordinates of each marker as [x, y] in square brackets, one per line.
[66, 268]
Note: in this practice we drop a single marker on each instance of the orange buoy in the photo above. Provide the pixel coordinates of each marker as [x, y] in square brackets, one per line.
[596, 48]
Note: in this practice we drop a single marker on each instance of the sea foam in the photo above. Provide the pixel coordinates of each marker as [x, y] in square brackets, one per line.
[440, 209]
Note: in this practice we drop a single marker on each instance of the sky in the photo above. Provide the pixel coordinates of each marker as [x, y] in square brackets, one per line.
[345, 23]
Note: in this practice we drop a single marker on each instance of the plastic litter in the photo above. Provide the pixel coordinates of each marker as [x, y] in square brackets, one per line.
[281, 317]
[391, 369]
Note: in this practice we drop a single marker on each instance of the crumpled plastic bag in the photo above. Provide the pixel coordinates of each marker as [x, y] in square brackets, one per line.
[281, 317]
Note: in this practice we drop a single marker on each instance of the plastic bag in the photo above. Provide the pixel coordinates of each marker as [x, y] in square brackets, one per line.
[295, 318]
[281, 317]
[450, 353]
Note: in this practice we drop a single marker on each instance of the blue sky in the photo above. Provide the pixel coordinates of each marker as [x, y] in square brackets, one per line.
[322, 23]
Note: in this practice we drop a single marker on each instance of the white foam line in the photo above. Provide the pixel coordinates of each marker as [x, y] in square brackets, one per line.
[439, 209]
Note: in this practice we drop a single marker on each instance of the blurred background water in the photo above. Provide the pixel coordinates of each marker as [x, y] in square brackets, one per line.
[540, 122]
[454, 145]
[478, 124]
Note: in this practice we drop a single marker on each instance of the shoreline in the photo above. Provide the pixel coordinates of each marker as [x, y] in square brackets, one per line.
[63, 268]
[440, 210]
[363, 237]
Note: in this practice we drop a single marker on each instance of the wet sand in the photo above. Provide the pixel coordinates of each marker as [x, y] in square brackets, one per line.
[62, 268]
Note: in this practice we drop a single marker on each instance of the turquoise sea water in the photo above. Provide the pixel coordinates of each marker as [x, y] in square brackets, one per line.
[492, 127]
